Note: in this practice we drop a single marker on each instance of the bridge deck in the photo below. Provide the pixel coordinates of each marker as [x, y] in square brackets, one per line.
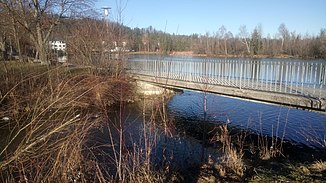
[257, 95]
[299, 84]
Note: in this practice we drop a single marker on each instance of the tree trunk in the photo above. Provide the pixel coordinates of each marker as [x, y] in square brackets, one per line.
[16, 37]
[2, 48]
[225, 47]
[247, 46]
[41, 46]
[245, 42]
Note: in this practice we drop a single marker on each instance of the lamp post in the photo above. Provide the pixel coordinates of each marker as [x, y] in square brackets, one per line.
[106, 19]
[106, 14]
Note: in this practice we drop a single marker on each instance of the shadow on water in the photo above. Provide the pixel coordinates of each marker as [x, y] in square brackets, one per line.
[302, 133]
[179, 149]
[172, 152]
[297, 126]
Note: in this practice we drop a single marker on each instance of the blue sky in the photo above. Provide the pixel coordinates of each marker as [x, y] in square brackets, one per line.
[201, 16]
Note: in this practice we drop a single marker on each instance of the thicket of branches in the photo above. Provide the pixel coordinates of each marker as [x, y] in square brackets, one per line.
[26, 27]
[51, 114]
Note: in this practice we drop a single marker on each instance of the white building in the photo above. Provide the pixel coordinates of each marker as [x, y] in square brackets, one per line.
[119, 49]
[57, 45]
[59, 48]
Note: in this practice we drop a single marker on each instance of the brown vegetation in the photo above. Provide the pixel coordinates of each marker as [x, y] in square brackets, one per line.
[232, 164]
[49, 114]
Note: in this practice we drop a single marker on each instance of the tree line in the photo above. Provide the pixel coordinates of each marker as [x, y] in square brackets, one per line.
[226, 43]
[26, 27]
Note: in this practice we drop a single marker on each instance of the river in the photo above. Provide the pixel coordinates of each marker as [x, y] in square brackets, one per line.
[297, 126]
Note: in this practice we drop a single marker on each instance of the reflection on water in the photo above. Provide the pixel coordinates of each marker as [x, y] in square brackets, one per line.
[182, 151]
[297, 126]
[147, 134]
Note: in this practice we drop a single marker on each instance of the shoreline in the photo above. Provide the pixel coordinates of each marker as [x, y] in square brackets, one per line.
[191, 54]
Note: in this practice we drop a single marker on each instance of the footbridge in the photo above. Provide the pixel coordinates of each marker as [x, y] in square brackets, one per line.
[293, 83]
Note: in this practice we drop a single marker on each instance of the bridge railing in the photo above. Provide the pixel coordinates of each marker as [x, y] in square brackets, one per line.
[292, 77]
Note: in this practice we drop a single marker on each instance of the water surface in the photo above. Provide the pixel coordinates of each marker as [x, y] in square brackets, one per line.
[297, 126]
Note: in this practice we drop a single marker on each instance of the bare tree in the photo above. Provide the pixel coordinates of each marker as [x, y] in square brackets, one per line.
[224, 35]
[39, 17]
[89, 43]
[284, 32]
[3, 32]
[244, 37]
[322, 43]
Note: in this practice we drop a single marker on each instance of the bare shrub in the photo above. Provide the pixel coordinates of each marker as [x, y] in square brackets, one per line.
[50, 116]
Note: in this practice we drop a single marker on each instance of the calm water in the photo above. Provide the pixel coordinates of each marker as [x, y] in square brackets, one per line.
[298, 126]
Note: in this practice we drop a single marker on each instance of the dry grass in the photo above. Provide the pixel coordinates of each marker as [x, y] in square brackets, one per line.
[232, 164]
[140, 161]
[50, 113]
[53, 113]
[318, 166]
[271, 147]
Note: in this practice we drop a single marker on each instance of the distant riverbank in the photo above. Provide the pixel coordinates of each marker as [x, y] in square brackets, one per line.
[192, 54]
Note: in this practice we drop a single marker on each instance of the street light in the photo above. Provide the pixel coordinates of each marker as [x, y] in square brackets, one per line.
[106, 11]
[106, 14]
[106, 19]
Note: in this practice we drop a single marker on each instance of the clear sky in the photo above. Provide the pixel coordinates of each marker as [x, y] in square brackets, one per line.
[201, 16]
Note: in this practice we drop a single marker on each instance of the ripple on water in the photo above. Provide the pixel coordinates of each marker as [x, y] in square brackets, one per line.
[298, 126]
